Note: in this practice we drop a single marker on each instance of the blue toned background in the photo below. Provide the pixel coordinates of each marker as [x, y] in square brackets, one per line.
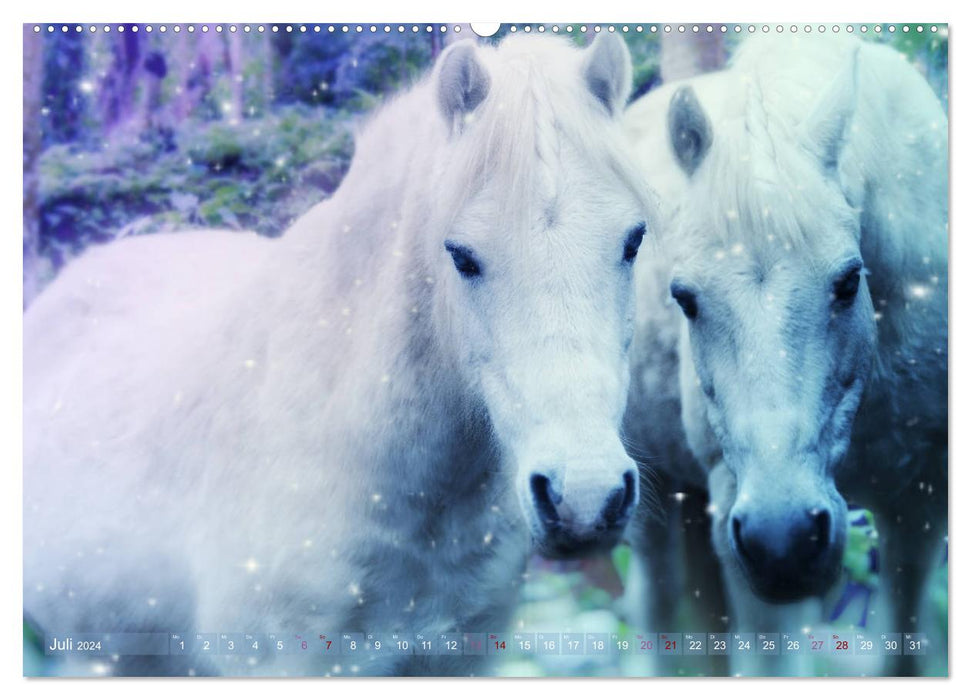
[132, 132]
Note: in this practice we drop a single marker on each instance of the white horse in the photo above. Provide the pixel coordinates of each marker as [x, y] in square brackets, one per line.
[357, 427]
[804, 208]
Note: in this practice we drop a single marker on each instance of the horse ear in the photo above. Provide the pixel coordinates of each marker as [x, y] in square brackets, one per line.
[462, 82]
[607, 71]
[689, 129]
[824, 130]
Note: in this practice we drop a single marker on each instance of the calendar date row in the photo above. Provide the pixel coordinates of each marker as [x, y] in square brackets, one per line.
[492, 643]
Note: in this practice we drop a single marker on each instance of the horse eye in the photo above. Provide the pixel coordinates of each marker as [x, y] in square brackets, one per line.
[686, 299]
[633, 242]
[848, 283]
[464, 260]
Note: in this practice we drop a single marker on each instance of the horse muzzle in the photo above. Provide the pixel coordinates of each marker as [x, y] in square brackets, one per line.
[787, 559]
[585, 518]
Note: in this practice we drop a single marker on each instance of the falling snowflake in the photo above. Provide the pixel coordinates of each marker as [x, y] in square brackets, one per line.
[919, 291]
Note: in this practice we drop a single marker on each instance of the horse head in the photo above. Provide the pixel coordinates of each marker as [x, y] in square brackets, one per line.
[779, 332]
[532, 247]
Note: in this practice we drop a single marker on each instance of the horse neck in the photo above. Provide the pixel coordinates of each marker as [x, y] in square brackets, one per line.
[365, 250]
[437, 445]
[444, 423]
[901, 192]
[903, 203]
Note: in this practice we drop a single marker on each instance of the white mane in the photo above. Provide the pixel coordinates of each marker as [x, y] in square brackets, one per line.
[539, 82]
[537, 105]
[753, 173]
[757, 160]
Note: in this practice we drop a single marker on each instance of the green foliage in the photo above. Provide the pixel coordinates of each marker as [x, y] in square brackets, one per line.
[338, 67]
[620, 556]
[860, 540]
[645, 53]
[35, 664]
[259, 175]
[928, 52]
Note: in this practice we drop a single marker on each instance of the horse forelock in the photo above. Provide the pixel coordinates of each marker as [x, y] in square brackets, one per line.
[765, 193]
[538, 106]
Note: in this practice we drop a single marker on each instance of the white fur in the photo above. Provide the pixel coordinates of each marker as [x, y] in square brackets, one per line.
[326, 432]
[762, 206]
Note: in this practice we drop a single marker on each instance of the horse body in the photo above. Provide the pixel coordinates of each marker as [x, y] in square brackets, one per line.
[796, 173]
[224, 433]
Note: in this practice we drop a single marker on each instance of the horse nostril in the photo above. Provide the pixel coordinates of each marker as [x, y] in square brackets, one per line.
[613, 510]
[783, 543]
[821, 530]
[544, 498]
[630, 491]
[619, 502]
[737, 536]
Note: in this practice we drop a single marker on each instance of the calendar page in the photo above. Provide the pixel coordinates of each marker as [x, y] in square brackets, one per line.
[568, 349]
